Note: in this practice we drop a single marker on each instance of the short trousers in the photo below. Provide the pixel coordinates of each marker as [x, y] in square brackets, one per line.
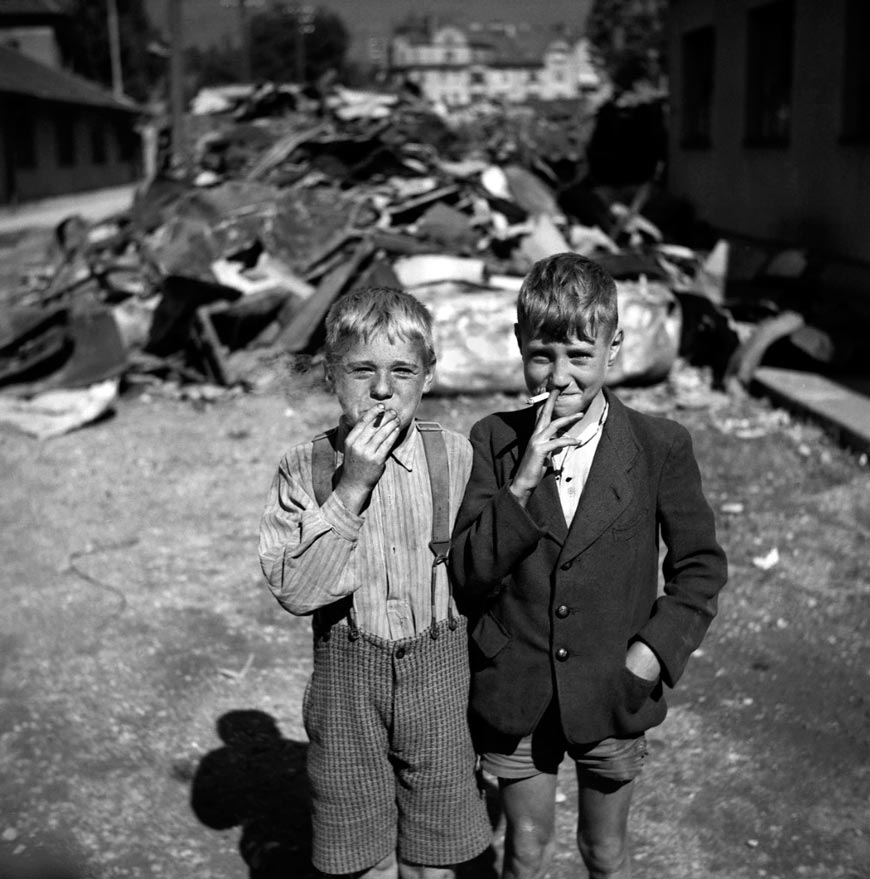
[615, 759]
[390, 760]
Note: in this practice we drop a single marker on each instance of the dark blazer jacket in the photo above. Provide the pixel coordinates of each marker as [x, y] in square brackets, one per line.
[554, 609]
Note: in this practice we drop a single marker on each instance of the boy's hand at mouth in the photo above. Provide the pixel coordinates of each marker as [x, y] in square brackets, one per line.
[548, 437]
[366, 449]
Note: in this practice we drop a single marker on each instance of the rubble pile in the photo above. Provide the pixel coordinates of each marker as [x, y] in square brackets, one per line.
[217, 279]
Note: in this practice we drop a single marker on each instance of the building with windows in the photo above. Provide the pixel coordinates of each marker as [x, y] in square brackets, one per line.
[59, 133]
[770, 119]
[457, 66]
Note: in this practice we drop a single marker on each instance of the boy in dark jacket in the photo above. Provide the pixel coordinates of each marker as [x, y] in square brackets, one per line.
[556, 559]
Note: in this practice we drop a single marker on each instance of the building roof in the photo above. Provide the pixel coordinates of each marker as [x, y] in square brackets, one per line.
[21, 75]
[30, 8]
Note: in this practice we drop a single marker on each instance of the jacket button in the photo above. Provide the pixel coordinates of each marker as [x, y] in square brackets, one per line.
[562, 611]
[400, 653]
[566, 565]
[561, 654]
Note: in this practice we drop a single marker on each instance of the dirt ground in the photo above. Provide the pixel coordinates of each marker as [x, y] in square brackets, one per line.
[151, 687]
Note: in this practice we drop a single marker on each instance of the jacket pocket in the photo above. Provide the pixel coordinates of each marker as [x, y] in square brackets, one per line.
[636, 690]
[626, 528]
[489, 637]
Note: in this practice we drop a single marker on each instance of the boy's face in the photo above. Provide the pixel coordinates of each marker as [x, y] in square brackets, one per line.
[577, 367]
[394, 374]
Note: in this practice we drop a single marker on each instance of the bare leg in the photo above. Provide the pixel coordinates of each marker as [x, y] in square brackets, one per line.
[418, 871]
[530, 809]
[388, 868]
[391, 868]
[602, 828]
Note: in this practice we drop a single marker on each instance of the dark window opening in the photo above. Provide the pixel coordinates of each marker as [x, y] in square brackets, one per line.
[65, 139]
[770, 38]
[127, 142]
[98, 144]
[856, 72]
[24, 141]
[699, 64]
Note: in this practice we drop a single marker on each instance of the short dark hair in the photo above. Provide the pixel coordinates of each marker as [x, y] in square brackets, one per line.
[367, 312]
[567, 294]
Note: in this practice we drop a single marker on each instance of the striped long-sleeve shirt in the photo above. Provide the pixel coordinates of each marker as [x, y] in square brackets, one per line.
[314, 555]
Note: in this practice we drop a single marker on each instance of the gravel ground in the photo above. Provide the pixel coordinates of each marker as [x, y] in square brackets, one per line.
[151, 687]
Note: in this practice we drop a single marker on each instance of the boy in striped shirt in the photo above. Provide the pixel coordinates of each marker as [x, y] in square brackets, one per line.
[355, 530]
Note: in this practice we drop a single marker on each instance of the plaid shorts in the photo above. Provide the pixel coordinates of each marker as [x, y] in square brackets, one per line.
[390, 760]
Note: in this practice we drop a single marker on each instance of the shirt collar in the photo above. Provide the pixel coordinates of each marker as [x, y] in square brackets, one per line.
[405, 453]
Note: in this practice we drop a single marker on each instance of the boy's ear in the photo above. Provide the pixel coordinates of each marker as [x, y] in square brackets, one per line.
[430, 377]
[327, 376]
[615, 345]
[518, 336]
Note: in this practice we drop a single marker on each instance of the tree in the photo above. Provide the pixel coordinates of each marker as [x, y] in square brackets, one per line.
[83, 37]
[629, 38]
[288, 42]
[215, 65]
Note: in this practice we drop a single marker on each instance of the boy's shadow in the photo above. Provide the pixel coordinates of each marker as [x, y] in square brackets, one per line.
[257, 781]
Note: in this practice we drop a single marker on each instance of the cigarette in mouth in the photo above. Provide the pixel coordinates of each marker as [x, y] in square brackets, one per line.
[380, 416]
[538, 397]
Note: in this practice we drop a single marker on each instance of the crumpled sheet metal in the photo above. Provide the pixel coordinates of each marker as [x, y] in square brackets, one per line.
[477, 350]
[59, 411]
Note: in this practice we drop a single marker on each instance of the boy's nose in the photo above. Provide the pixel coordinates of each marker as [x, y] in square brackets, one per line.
[559, 377]
[382, 388]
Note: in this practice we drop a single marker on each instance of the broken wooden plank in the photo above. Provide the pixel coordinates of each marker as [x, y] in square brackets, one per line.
[296, 336]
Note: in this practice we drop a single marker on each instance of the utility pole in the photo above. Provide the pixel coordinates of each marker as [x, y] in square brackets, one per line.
[176, 85]
[245, 37]
[299, 44]
[115, 49]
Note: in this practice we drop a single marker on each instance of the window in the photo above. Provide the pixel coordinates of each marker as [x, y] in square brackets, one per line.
[699, 64]
[770, 34]
[23, 134]
[98, 144]
[128, 141]
[856, 72]
[65, 140]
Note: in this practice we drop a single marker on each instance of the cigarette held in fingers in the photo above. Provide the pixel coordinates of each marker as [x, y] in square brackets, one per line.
[538, 398]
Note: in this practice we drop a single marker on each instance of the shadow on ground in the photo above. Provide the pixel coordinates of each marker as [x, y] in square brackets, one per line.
[256, 781]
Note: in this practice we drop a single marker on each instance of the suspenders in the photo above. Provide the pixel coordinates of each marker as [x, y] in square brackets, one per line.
[325, 477]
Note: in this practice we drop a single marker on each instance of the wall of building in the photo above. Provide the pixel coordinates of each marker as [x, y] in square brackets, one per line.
[37, 42]
[813, 191]
[95, 143]
[452, 71]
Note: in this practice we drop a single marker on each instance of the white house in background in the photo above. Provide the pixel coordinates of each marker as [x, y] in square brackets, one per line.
[513, 63]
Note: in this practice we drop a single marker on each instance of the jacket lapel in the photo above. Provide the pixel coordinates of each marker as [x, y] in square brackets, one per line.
[608, 490]
[545, 507]
[544, 504]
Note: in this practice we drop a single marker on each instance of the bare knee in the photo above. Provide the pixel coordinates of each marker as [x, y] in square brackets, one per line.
[606, 857]
[528, 848]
